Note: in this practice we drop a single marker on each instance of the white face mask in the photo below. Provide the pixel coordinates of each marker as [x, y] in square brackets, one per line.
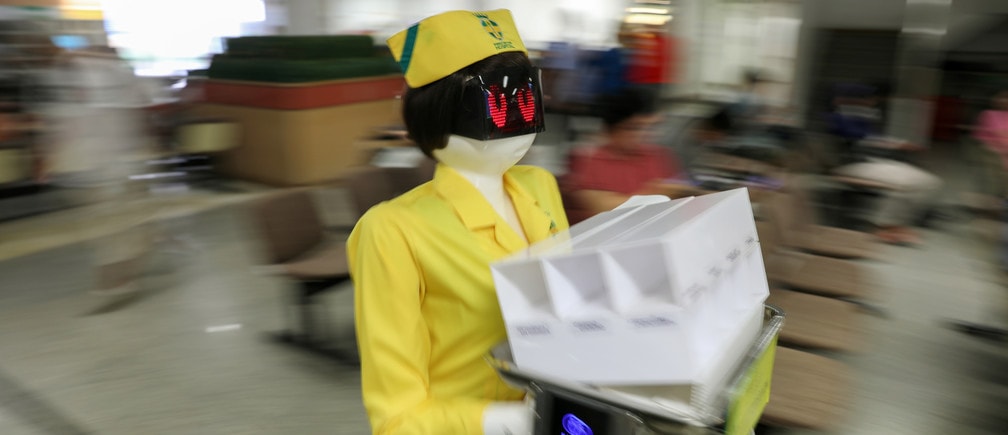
[484, 157]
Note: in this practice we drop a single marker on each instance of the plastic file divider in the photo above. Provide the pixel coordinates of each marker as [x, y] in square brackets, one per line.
[577, 286]
[520, 286]
[663, 294]
[642, 276]
[532, 325]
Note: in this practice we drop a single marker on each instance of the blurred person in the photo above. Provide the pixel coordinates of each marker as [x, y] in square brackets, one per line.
[707, 136]
[713, 157]
[563, 80]
[567, 79]
[626, 163]
[854, 117]
[29, 56]
[605, 72]
[95, 139]
[991, 131]
[906, 190]
[425, 307]
[615, 62]
[559, 66]
[650, 62]
[743, 128]
[16, 122]
[80, 114]
[767, 131]
[749, 105]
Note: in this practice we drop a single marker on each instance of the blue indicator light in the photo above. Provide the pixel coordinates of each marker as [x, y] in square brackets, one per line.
[574, 426]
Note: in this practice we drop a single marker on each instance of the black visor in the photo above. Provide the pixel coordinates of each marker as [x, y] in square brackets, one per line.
[505, 103]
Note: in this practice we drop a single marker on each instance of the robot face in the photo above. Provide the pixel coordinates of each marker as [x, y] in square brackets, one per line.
[503, 104]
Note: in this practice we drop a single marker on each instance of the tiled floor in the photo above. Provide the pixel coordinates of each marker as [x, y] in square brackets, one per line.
[150, 364]
[190, 354]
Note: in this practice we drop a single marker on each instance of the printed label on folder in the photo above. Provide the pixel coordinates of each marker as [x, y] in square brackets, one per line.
[533, 330]
[734, 255]
[589, 326]
[652, 322]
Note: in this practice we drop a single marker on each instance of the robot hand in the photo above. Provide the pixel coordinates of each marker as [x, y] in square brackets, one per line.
[509, 418]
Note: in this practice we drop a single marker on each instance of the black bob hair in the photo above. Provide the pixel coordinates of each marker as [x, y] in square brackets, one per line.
[622, 105]
[429, 111]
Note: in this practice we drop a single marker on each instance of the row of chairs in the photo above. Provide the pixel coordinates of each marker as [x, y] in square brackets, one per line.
[301, 248]
[817, 277]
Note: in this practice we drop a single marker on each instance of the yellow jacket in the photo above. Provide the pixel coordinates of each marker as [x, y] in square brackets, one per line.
[426, 311]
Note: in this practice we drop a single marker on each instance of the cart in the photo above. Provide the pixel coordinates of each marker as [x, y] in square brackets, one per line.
[571, 408]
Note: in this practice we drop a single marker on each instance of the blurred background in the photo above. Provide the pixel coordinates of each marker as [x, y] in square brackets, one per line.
[177, 178]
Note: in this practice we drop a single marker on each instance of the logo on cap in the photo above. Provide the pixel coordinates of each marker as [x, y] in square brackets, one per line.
[490, 26]
[494, 30]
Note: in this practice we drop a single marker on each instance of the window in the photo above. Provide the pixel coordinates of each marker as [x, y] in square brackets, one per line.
[168, 37]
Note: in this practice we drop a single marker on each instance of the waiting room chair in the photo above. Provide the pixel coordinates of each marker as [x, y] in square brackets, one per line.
[403, 179]
[298, 248]
[740, 167]
[853, 199]
[811, 391]
[817, 322]
[806, 272]
[367, 186]
[808, 391]
[795, 219]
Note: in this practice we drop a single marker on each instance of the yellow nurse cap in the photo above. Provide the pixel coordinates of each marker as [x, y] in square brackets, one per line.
[442, 44]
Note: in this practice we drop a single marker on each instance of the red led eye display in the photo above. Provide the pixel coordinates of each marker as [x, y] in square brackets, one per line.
[497, 102]
[493, 108]
[526, 103]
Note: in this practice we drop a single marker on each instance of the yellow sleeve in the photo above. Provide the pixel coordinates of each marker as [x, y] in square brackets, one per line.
[392, 333]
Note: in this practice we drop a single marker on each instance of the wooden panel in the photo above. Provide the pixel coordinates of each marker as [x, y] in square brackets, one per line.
[300, 147]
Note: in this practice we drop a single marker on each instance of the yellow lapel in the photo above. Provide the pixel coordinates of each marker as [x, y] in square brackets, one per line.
[480, 218]
[475, 212]
[537, 224]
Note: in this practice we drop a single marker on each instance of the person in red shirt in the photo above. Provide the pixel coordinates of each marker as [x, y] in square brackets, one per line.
[600, 178]
[651, 62]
